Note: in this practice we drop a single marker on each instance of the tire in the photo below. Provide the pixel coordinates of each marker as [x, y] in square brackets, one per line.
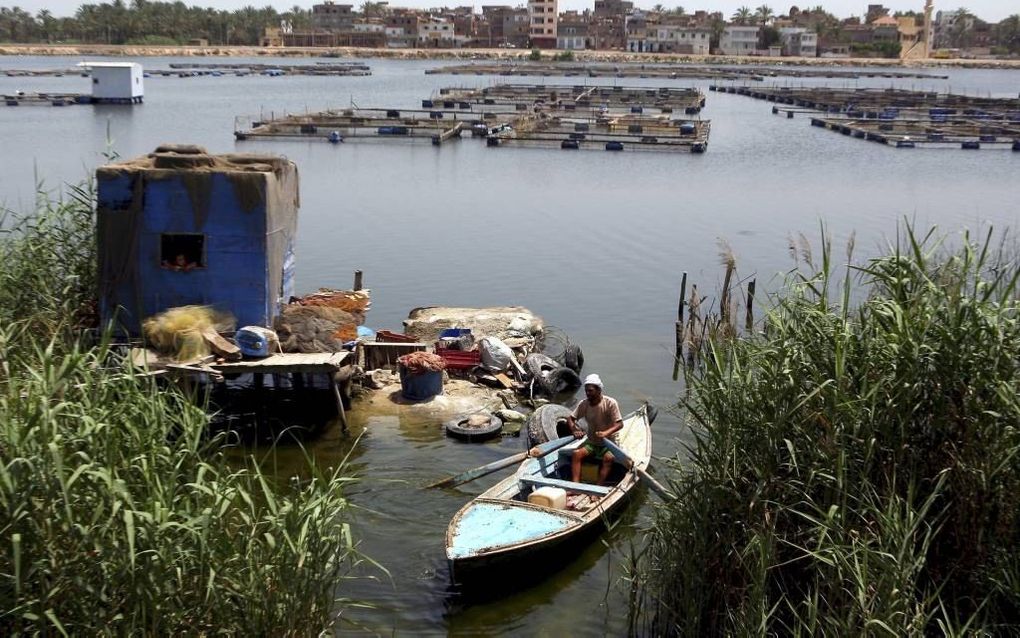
[573, 358]
[538, 364]
[561, 380]
[542, 423]
[457, 428]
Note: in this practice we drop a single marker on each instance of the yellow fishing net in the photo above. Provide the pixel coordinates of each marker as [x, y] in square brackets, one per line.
[177, 332]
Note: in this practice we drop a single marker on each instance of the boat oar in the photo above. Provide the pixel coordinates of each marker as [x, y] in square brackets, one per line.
[478, 472]
[645, 476]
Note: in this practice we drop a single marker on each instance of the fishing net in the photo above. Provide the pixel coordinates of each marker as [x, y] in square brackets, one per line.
[355, 302]
[422, 362]
[312, 329]
[553, 343]
[177, 332]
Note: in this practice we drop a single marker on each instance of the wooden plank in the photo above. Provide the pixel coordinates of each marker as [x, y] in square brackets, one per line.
[506, 381]
[570, 486]
[221, 346]
[379, 354]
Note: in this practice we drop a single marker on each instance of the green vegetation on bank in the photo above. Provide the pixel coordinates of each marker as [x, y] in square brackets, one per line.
[855, 467]
[118, 515]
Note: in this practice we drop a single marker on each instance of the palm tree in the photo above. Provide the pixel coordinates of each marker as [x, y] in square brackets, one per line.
[962, 23]
[1007, 33]
[46, 22]
[742, 15]
[764, 14]
[371, 9]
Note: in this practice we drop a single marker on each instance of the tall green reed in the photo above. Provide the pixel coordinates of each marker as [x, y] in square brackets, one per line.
[854, 469]
[118, 514]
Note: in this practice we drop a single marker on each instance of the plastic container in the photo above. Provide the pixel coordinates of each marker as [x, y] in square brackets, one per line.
[459, 359]
[256, 341]
[420, 387]
[548, 496]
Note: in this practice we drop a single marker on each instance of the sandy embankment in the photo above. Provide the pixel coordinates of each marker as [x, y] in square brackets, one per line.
[469, 54]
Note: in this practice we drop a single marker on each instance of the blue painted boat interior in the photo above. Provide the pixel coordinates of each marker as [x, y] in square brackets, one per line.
[486, 525]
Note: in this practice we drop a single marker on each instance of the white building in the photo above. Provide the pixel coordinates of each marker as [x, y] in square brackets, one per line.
[671, 38]
[571, 34]
[738, 39]
[116, 82]
[799, 42]
[436, 32]
[542, 19]
[667, 38]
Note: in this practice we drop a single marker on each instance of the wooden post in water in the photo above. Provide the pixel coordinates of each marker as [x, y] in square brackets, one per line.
[357, 280]
[749, 320]
[678, 352]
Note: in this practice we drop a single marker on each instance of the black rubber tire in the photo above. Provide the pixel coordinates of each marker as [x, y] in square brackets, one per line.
[573, 358]
[561, 380]
[542, 423]
[455, 429]
[538, 364]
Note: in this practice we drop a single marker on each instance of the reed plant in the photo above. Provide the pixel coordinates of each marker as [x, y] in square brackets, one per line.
[854, 467]
[118, 513]
[48, 264]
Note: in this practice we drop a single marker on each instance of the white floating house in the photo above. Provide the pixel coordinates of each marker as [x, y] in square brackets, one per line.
[116, 82]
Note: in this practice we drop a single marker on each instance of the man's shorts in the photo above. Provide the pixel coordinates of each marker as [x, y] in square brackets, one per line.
[595, 451]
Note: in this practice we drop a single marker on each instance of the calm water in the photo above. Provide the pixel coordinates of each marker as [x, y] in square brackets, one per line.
[594, 242]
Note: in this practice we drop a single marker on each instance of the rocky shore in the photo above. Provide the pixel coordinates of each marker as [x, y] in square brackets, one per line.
[509, 55]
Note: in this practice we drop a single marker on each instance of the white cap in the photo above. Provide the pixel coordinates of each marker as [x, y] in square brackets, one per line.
[593, 379]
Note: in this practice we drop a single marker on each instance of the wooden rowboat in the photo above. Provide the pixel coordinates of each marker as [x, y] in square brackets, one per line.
[500, 526]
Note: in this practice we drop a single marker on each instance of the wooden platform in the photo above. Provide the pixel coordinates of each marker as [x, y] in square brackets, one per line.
[326, 363]
[315, 363]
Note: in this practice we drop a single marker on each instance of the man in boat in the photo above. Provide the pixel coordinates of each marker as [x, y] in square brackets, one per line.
[604, 420]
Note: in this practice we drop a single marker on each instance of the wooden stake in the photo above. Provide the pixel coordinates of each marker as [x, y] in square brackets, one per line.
[749, 320]
[678, 352]
[357, 280]
[339, 403]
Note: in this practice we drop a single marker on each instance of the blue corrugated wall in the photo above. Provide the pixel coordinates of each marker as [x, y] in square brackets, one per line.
[235, 276]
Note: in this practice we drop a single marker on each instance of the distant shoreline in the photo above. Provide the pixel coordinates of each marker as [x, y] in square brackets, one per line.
[518, 55]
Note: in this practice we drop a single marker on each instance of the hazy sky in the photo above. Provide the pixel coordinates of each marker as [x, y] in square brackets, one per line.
[990, 10]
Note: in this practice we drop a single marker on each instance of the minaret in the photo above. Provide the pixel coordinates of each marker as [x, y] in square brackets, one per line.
[928, 7]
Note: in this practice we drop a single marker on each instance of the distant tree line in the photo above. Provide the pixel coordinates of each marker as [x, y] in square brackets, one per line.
[145, 22]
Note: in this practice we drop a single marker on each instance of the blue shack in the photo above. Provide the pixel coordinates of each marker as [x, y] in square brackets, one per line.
[181, 227]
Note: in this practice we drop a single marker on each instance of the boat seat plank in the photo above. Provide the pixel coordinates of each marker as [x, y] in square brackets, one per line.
[570, 486]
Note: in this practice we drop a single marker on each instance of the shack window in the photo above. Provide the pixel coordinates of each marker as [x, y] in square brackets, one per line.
[182, 252]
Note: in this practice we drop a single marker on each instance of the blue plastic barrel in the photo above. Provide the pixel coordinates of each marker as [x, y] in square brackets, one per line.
[420, 387]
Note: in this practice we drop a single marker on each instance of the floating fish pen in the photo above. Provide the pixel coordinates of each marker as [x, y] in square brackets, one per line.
[39, 73]
[900, 118]
[531, 97]
[871, 103]
[319, 68]
[47, 99]
[961, 132]
[670, 71]
[364, 123]
[631, 133]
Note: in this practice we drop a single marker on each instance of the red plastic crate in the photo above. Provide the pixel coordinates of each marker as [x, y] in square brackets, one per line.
[459, 359]
[387, 336]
